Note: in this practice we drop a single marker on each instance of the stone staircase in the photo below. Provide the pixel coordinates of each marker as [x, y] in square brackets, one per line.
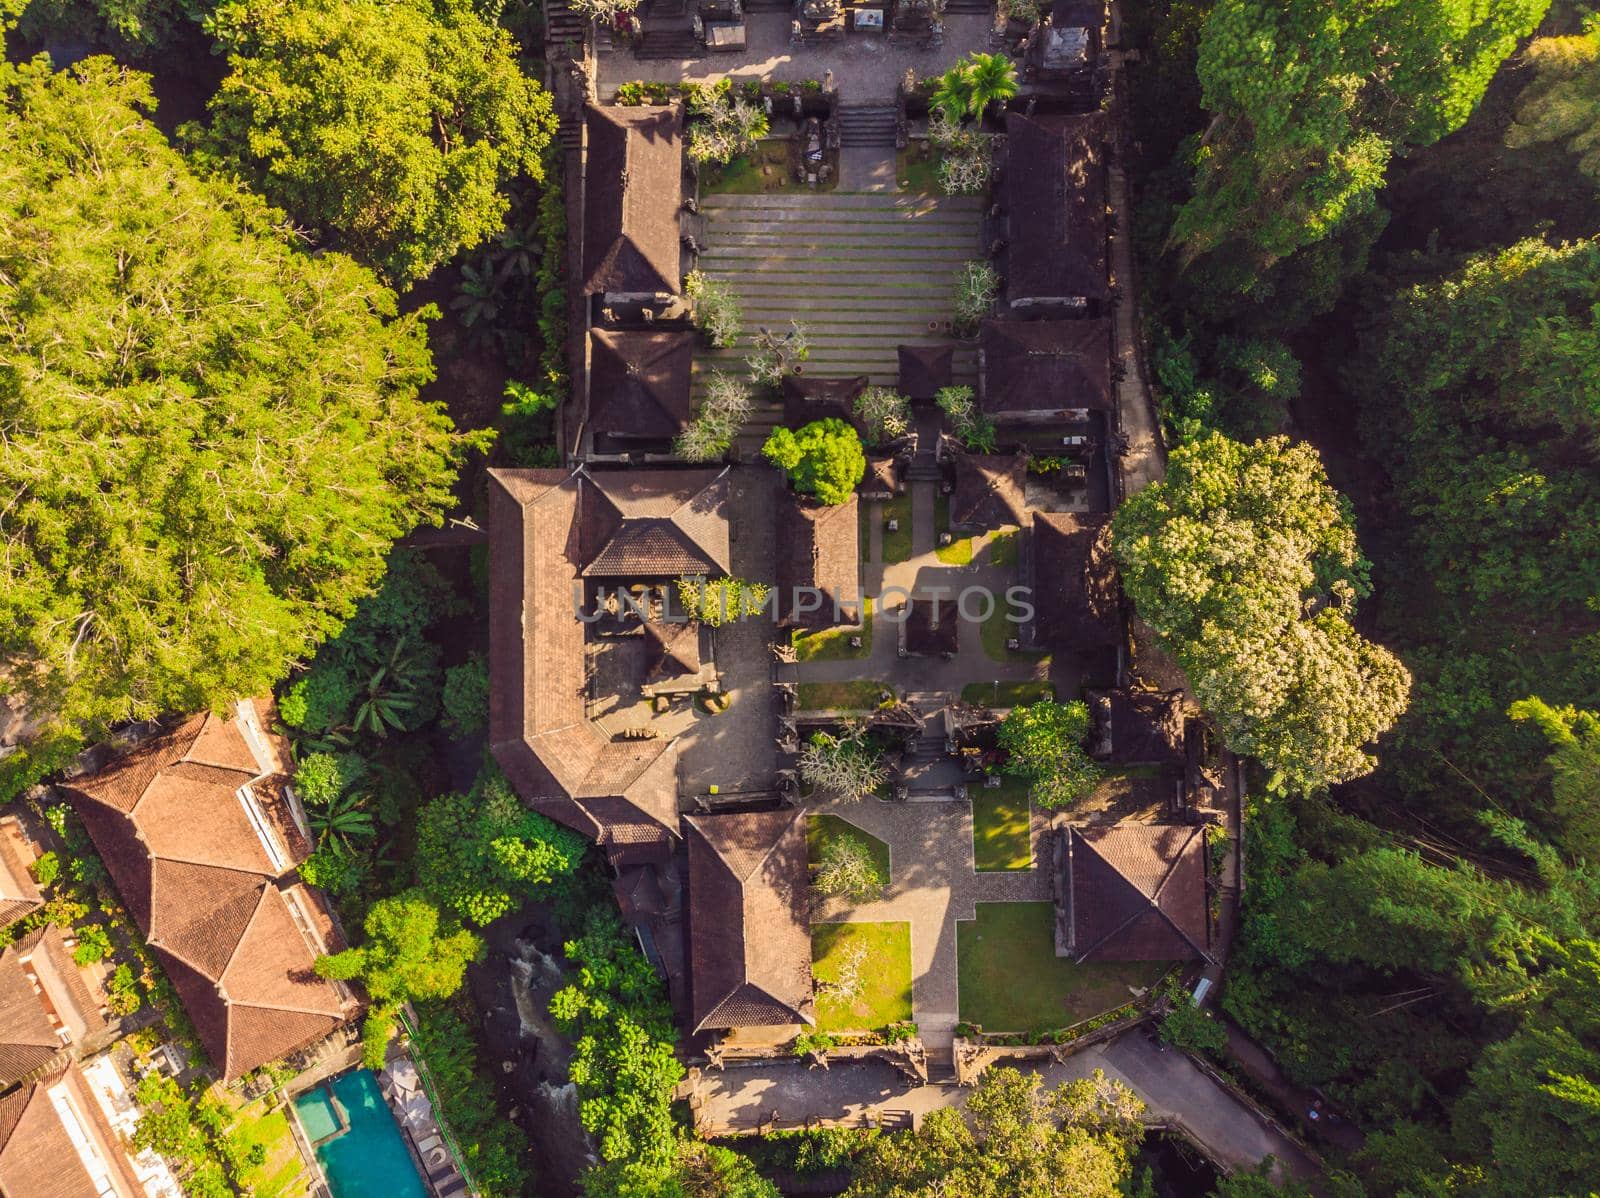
[669, 43]
[969, 6]
[562, 25]
[867, 125]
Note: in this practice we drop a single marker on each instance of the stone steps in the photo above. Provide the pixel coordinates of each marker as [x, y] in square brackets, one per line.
[867, 125]
[668, 44]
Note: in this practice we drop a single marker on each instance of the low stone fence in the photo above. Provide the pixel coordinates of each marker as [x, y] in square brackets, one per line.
[974, 1054]
[909, 1056]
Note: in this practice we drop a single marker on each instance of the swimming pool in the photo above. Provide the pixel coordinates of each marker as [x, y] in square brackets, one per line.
[368, 1159]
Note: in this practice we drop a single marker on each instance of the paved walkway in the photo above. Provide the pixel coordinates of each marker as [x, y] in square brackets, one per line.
[866, 69]
[933, 883]
[1177, 1093]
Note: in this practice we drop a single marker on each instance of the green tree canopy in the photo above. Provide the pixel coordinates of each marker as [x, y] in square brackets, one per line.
[1562, 104]
[1310, 101]
[1574, 763]
[391, 124]
[211, 437]
[1017, 1138]
[823, 459]
[1044, 743]
[479, 853]
[1244, 562]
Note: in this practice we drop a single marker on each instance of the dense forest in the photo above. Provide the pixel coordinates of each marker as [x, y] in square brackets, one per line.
[245, 346]
[1370, 226]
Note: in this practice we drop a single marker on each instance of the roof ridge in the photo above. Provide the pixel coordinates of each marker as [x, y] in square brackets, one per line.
[165, 944]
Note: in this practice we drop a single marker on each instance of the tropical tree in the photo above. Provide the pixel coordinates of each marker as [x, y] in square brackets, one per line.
[847, 868]
[1244, 562]
[1014, 1137]
[412, 951]
[1043, 742]
[1310, 103]
[884, 413]
[393, 126]
[1562, 103]
[847, 765]
[716, 308]
[774, 354]
[722, 126]
[971, 85]
[212, 437]
[342, 819]
[823, 459]
[720, 413]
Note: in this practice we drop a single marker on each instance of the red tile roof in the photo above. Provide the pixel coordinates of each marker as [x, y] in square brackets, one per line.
[749, 930]
[18, 894]
[1137, 892]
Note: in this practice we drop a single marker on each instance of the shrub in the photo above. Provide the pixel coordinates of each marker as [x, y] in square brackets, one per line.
[723, 410]
[1189, 1027]
[525, 425]
[1043, 742]
[716, 601]
[966, 160]
[122, 991]
[775, 355]
[971, 427]
[977, 286]
[716, 309]
[94, 944]
[721, 126]
[320, 778]
[847, 869]
[823, 459]
[885, 414]
[466, 697]
[47, 868]
[810, 1042]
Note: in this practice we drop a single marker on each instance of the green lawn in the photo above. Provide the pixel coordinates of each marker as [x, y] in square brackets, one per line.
[917, 174]
[1012, 981]
[997, 630]
[743, 175]
[879, 957]
[1003, 548]
[821, 828]
[897, 544]
[959, 551]
[1000, 827]
[1007, 694]
[860, 695]
[284, 1174]
[833, 644]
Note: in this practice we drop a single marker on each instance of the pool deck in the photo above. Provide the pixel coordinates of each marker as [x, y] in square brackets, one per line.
[402, 1087]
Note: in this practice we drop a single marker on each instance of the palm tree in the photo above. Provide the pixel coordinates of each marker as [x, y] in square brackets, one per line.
[341, 820]
[391, 691]
[990, 78]
[953, 96]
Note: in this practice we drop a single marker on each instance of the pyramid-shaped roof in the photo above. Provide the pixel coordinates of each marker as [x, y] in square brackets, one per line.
[639, 382]
[1137, 893]
[633, 188]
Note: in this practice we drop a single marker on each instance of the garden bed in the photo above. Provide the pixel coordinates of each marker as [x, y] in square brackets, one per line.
[833, 644]
[821, 828]
[860, 695]
[1000, 827]
[879, 957]
[896, 544]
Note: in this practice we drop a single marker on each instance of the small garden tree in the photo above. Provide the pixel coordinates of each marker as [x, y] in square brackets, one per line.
[721, 126]
[605, 11]
[1043, 742]
[966, 160]
[723, 409]
[716, 308]
[846, 868]
[970, 86]
[824, 459]
[847, 766]
[716, 601]
[774, 355]
[971, 427]
[976, 287]
[885, 413]
[412, 951]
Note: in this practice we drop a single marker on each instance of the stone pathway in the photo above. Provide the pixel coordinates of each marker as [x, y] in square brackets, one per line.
[932, 884]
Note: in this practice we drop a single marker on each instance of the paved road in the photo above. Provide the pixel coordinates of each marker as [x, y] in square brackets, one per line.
[788, 1094]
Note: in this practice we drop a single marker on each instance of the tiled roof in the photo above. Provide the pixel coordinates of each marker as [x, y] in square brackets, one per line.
[1033, 369]
[639, 383]
[882, 476]
[40, 1158]
[924, 369]
[540, 522]
[198, 878]
[1138, 727]
[989, 490]
[807, 398]
[1075, 581]
[1055, 200]
[1138, 892]
[749, 934]
[28, 1041]
[18, 894]
[932, 626]
[633, 188]
[819, 545]
[654, 522]
[672, 649]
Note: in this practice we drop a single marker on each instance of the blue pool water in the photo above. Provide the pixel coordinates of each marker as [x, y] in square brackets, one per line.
[369, 1160]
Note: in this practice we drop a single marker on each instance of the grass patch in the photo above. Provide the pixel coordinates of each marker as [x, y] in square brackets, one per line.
[896, 544]
[864, 511]
[997, 630]
[833, 644]
[743, 175]
[1012, 981]
[859, 695]
[1007, 694]
[1003, 548]
[916, 169]
[1000, 827]
[879, 955]
[959, 551]
[283, 1175]
[822, 828]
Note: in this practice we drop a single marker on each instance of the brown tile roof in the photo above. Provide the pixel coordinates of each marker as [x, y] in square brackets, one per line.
[989, 490]
[819, 546]
[654, 522]
[1055, 199]
[932, 626]
[39, 1158]
[749, 933]
[633, 188]
[882, 477]
[18, 894]
[1075, 585]
[807, 398]
[561, 764]
[1137, 893]
[1137, 727]
[639, 384]
[44, 953]
[672, 649]
[924, 369]
[199, 880]
[28, 1040]
[1041, 368]
[639, 894]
